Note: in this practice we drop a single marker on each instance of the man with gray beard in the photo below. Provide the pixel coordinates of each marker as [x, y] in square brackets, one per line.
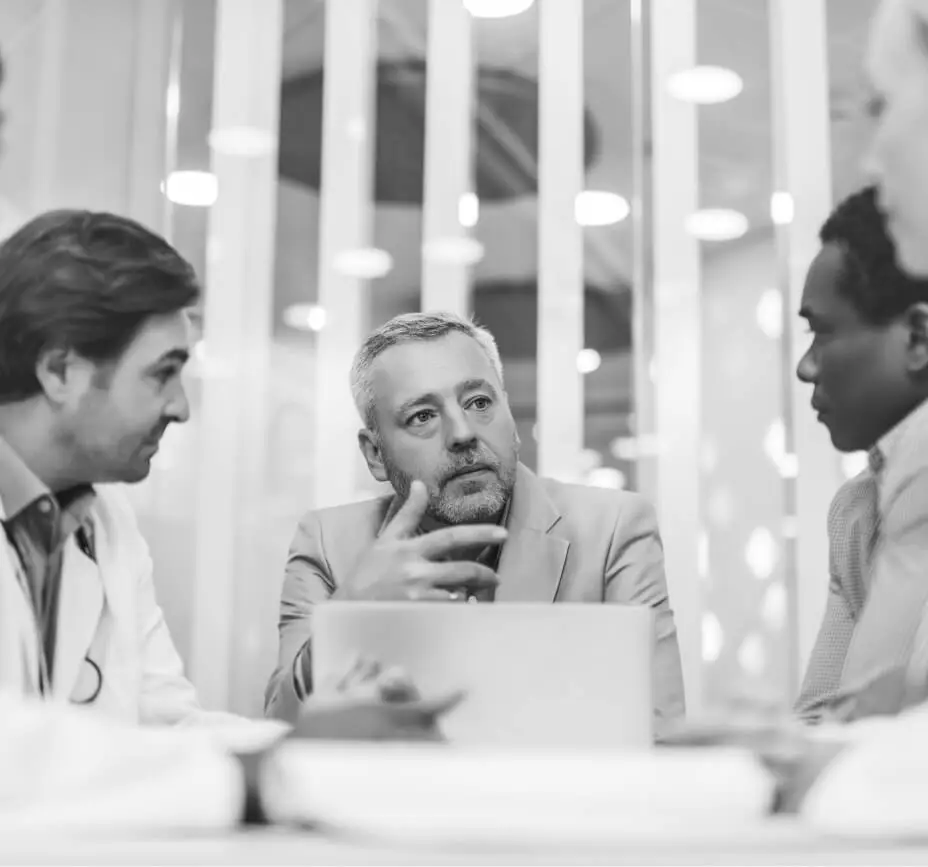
[467, 521]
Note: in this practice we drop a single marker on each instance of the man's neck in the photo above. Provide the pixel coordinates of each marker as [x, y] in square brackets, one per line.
[29, 434]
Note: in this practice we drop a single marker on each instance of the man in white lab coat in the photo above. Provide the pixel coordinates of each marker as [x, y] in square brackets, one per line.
[94, 334]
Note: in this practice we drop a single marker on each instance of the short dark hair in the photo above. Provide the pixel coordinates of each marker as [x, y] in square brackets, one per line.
[85, 281]
[872, 280]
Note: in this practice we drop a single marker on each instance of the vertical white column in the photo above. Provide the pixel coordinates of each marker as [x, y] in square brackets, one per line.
[677, 326]
[560, 237]
[345, 213]
[237, 328]
[448, 156]
[802, 153]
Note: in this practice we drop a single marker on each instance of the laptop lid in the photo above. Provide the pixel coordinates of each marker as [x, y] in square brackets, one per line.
[534, 674]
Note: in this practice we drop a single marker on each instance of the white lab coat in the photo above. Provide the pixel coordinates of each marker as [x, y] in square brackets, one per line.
[108, 613]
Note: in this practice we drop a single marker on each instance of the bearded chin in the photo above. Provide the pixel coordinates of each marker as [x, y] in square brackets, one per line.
[485, 507]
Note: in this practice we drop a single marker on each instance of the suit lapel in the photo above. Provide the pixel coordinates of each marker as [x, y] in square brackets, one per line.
[80, 607]
[532, 560]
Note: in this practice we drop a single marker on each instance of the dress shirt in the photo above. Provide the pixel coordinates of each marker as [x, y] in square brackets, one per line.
[878, 589]
[37, 525]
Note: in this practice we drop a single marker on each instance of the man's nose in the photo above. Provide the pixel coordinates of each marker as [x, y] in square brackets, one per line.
[807, 369]
[179, 407]
[459, 432]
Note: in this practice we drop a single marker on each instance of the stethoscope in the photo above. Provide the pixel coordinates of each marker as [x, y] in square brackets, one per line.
[94, 671]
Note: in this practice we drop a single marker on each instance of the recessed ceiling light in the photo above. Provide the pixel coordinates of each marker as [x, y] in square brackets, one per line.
[453, 251]
[305, 317]
[717, 224]
[469, 210]
[196, 189]
[242, 141]
[782, 209]
[497, 8]
[600, 208]
[366, 263]
[588, 360]
[705, 85]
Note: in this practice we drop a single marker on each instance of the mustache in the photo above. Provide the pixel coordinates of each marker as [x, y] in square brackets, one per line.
[470, 462]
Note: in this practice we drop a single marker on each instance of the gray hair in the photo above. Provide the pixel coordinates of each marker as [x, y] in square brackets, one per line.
[411, 328]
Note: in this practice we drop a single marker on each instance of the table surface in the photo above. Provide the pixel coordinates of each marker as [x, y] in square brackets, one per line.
[777, 842]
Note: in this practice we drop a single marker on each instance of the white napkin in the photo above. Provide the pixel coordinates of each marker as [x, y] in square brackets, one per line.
[878, 787]
[442, 794]
[65, 768]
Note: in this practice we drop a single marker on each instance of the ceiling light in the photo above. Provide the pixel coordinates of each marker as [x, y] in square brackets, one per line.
[243, 141]
[705, 85]
[588, 360]
[606, 477]
[453, 251]
[197, 189]
[305, 317]
[366, 263]
[599, 208]
[496, 8]
[782, 209]
[717, 224]
[469, 210]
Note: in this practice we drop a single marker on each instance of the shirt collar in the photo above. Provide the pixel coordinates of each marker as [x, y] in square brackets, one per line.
[889, 443]
[20, 487]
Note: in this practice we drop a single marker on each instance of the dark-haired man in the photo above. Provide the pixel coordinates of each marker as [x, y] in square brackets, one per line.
[868, 365]
[94, 334]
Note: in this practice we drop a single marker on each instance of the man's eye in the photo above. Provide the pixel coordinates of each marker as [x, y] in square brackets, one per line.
[481, 403]
[421, 417]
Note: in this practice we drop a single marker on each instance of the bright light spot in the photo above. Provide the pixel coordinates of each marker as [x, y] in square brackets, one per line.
[600, 208]
[243, 141]
[705, 85]
[172, 101]
[752, 657]
[606, 477]
[634, 448]
[199, 350]
[453, 251]
[790, 527]
[782, 209]
[588, 360]
[496, 8]
[469, 210]
[196, 189]
[775, 442]
[590, 460]
[702, 555]
[770, 313]
[366, 263]
[305, 317]
[717, 224]
[713, 638]
[761, 553]
[789, 466]
[720, 508]
[773, 612]
[854, 464]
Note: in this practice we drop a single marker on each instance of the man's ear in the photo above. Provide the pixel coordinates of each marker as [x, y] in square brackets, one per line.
[916, 320]
[369, 443]
[62, 374]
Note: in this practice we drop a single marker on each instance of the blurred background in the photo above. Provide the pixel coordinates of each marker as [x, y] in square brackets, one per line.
[626, 192]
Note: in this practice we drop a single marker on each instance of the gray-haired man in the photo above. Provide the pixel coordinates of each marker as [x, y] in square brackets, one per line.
[466, 519]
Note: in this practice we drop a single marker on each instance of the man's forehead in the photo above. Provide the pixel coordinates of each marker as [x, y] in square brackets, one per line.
[410, 369]
[893, 45]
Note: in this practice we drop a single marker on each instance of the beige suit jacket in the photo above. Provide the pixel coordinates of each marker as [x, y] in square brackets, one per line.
[567, 543]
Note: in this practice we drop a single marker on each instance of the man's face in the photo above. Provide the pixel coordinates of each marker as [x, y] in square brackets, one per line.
[859, 370]
[113, 426]
[443, 418]
[898, 66]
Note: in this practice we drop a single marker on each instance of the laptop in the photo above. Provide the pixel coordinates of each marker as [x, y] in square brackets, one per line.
[566, 675]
